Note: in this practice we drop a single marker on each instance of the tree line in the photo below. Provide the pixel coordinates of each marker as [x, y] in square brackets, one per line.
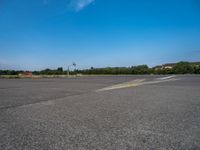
[179, 68]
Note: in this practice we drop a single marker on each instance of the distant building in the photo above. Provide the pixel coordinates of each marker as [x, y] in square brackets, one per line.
[157, 67]
[195, 63]
[171, 65]
[26, 74]
[168, 66]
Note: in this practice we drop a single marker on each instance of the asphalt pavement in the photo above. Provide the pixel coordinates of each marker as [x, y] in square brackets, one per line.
[100, 112]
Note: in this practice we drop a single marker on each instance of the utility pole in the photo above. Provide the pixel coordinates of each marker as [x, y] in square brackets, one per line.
[73, 64]
[68, 71]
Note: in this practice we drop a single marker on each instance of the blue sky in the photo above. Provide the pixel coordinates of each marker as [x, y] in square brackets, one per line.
[38, 34]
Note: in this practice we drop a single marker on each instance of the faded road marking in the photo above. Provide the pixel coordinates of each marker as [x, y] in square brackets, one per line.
[161, 81]
[122, 85]
[169, 77]
[135, 83]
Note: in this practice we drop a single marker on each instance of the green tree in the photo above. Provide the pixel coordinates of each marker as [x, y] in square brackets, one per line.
[141, 69]
[60, 69]
[183, 68]
[196, 69]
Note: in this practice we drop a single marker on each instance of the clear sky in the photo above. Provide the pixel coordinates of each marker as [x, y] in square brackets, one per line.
[38, 34]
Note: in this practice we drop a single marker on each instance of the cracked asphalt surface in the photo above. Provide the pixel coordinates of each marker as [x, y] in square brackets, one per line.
[62, 114]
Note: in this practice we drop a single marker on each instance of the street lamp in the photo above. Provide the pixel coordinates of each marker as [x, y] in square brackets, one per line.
[73, 64]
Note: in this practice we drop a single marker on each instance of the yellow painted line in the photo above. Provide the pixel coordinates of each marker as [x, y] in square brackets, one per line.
[161, 81]
[165, 78]
[122, 85]
[135, 83]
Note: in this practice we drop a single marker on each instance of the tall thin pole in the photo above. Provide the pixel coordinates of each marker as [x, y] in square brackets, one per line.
[68, 71]
[73, 64]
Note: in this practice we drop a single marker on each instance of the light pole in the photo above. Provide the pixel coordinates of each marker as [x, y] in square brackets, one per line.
[73, 64]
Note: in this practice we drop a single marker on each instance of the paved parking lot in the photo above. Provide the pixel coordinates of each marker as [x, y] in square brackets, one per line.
[100, 112]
